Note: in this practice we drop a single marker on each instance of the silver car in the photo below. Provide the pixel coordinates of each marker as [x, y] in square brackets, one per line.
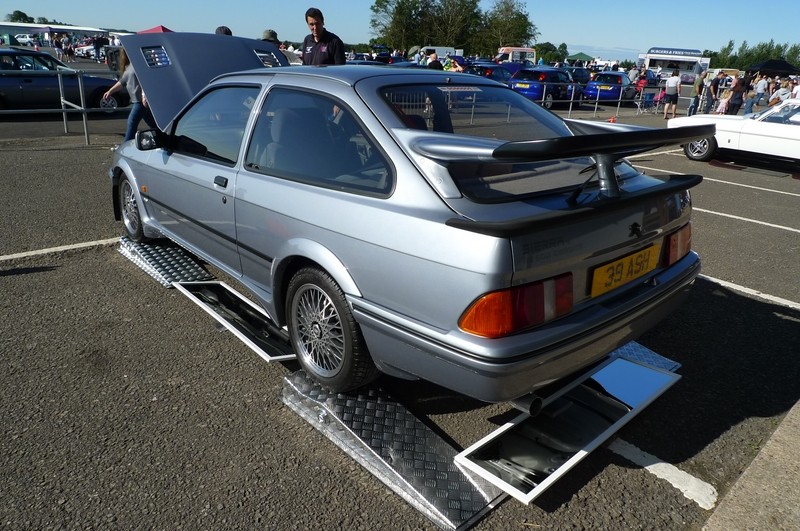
[421, 224]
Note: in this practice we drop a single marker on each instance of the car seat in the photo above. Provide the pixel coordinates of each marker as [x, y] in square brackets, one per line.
[300, 142]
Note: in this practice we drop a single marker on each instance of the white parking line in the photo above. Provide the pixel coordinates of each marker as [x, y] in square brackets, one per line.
[700, 492]
[759, 188]
[38, 252]
[749, 220]
[755, 293]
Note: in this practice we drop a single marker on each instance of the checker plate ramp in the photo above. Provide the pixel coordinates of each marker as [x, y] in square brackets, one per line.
[454, 490]
[164, 261]
[396, 447]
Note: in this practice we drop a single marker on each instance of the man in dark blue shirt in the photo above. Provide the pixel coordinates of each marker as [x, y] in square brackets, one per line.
[321, 47]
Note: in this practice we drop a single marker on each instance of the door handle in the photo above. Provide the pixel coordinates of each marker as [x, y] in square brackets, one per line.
[221, 181]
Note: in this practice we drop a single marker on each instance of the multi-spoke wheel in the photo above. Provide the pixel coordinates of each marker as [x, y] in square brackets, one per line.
[130, 211]
[702, 150]
[324, 334]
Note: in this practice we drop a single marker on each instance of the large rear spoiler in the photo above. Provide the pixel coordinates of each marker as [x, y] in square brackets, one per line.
[606, 148]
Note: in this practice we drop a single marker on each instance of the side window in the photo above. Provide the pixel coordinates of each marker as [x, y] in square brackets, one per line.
[312, 138]
[214, 126]
[43, 63]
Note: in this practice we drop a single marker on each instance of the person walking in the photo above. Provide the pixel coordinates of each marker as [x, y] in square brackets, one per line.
[673, 88]
[321, 47]
[697, 91]
[58, 44]
[712, 94]
[139, 109]
[761, 89]
[737, 96]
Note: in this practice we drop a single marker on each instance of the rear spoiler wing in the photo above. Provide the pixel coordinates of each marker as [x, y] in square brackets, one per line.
[606, 148]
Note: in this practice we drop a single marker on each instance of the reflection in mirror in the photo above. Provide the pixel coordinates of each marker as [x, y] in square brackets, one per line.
[631, 383]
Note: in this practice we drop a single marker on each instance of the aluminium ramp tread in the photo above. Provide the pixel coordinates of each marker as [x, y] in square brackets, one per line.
[396, 447]
[165, 261]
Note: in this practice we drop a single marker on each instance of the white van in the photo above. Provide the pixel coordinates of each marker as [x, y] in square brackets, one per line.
[440, 51]
[516, 54]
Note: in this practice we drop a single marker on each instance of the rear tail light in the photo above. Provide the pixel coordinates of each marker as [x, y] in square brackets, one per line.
[505, 312]
[679, 243]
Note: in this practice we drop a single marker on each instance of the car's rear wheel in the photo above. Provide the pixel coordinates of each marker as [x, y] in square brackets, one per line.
[324, 333]
[701, 150]
[129, 210]
[547, 101]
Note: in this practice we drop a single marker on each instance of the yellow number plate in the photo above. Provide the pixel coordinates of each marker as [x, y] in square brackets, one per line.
[605, 87]
[523, 85]
[619, 272]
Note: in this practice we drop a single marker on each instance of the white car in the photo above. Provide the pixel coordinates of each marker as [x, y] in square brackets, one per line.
[25, 39]
[773, 133]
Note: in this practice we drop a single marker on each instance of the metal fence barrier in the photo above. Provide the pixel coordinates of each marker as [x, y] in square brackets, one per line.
[67, 107]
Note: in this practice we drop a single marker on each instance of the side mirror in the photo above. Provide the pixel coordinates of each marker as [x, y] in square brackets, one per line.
[149, 139]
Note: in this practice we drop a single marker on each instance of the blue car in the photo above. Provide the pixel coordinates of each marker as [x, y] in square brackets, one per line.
[609, 86]
[545, 85]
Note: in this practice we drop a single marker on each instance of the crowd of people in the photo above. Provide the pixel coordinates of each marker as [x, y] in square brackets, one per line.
[750, 91]
[722, 93]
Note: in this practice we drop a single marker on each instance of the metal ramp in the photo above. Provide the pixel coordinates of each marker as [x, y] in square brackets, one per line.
[452, 489]
[172, 266]
[243, 318]
[522, 458]
[397, 448]
[163, 260]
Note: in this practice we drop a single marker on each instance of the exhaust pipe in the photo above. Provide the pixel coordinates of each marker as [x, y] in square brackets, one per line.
[530, 404]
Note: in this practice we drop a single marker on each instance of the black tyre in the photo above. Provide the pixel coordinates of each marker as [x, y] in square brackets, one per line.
[110, 105]
[324, 334]
[701, 150]
[129, 209]
[547, 101]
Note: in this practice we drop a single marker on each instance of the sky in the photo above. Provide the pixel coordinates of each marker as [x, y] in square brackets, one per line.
[607, 30]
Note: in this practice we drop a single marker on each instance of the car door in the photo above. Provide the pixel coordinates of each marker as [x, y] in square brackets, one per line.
[309, 161]
[777, 133]
[36, 89]
[191, 186]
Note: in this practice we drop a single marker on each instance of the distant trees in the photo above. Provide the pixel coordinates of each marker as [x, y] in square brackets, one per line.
[19, 16]
[745, 55]
[462, 24]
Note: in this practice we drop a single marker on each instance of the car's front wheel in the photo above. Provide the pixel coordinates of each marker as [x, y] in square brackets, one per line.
[324, 333]
[129, 209]
[701, 150]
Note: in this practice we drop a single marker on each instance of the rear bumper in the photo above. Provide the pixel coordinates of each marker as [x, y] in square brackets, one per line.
[504, 373]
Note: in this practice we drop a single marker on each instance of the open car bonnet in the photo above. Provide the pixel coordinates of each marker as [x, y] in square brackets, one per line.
[173, 67]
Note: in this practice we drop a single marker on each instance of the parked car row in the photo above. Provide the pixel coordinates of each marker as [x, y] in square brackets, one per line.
[566, 85]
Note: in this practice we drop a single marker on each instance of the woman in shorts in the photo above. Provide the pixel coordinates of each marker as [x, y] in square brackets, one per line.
[673, 88]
